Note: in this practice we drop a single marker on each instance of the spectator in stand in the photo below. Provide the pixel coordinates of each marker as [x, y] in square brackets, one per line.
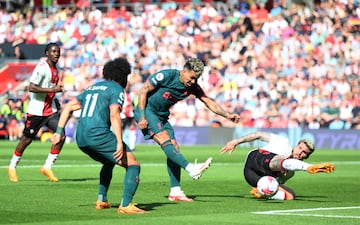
[15, 125]
[3, 128]
[316, 40]
[313, 123]
[356, 110]
[5, 109]
[336, 124]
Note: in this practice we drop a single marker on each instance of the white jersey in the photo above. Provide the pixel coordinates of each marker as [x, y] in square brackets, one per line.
[128, 109]
[278, 145]
[45, 76]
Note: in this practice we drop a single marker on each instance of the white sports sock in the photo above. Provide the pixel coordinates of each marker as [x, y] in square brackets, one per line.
[175, 190]
[14, 161]
[294, 164]
[132, 138]
[280, 195]
[189, 168]
[50, 160]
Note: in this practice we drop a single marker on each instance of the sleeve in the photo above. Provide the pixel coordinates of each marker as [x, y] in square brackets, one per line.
[117, 97]
[198, 91]
[160, 78]
[38, 73]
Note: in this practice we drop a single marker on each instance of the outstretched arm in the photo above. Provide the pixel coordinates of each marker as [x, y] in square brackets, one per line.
[217, 109]
[231, 145]
[70, 107]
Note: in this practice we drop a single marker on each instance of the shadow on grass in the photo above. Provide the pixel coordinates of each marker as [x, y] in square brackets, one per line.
[313, 198]
[78, 179]
[196, 197]
[145, 206]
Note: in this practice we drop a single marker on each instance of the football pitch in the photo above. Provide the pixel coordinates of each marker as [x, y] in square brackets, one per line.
[221, 195]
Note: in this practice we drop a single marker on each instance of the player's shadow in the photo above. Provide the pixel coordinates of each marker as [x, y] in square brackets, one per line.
[78, 179]
[145, 206]
[313, 198]
[213, 196]
[152, 206]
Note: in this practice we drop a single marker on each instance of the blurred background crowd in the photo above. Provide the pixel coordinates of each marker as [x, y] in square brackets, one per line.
[279, 65]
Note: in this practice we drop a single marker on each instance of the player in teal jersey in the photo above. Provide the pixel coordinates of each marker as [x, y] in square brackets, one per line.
[99, 132]
[159, 93]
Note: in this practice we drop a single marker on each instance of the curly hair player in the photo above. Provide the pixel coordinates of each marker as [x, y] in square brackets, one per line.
[99, 133]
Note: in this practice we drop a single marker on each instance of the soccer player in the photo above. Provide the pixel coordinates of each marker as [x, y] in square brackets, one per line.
[278, 159]
[99, 132]
[42, 111]
[158, 94]
[128, 121]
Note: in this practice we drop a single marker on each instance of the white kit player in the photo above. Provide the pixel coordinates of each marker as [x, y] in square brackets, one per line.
[277, 159]
[128, 121]
[42, 111]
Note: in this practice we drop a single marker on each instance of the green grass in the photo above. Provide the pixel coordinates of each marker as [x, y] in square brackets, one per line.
[221, 195]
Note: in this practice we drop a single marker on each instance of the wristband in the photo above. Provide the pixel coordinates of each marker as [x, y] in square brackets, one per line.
[142, 112]
[59, 130]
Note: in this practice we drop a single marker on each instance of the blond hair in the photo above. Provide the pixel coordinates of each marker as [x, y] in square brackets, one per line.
[195, 65]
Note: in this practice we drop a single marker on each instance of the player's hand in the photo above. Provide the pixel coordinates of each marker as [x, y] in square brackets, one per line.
[119, 153]
[58, 88]
[143, 123]
[55, 139]
[234, 118]
[229, 147]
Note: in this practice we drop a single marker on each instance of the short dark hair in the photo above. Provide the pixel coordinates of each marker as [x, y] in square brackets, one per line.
[117, 70]
[50, 45]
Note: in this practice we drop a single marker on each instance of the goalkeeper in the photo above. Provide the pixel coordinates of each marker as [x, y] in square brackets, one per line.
[278, 159]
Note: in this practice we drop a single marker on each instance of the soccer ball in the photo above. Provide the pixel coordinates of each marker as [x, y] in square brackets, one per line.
[267, 186]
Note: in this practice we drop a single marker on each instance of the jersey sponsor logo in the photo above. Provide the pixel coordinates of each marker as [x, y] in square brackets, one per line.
[169, 97]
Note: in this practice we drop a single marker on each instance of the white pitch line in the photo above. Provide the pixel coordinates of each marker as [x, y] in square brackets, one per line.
[293, 212]
[80, 165]
[98, 164]
[142, 164]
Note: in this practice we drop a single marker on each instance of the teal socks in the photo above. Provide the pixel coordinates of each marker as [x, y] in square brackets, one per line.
[174, 171]
[173, 154]
[131, 182]
[106, 173]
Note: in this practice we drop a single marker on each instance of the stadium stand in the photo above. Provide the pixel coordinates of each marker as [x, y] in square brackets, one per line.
[277, 63]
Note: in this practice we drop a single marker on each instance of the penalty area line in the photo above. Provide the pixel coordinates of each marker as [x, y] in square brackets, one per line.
[300, 212]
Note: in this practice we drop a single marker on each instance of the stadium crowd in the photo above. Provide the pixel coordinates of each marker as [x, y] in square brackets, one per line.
[292, 66]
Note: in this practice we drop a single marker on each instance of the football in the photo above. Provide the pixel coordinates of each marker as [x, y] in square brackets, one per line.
[267, 186]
